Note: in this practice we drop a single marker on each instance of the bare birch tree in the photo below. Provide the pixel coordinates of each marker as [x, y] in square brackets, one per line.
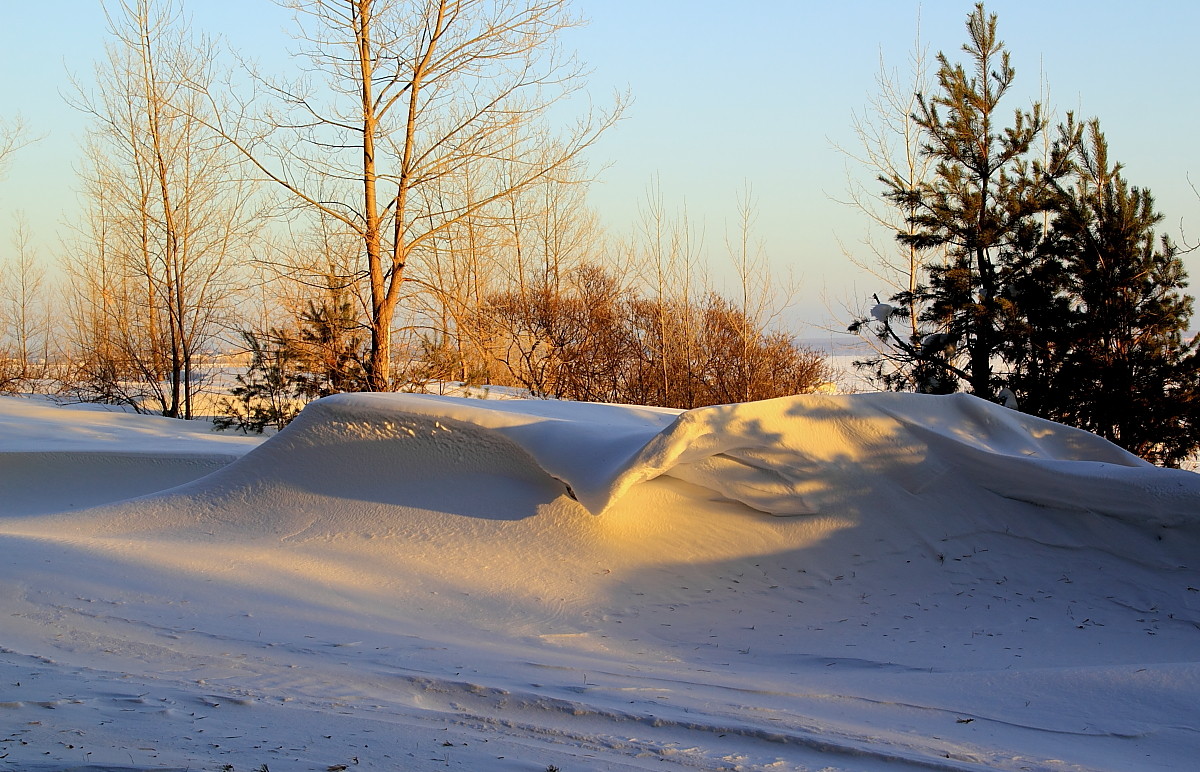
[890, 146]
[667, 251]
[409, 93]
[553, 239]
[17, 276]
[759, 301]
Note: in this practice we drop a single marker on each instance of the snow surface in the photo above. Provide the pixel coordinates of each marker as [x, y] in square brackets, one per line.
[402, 582]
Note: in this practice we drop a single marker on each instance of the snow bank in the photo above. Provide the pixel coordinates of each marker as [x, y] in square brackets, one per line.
[867, 454]
[396, 581]
[779, 456]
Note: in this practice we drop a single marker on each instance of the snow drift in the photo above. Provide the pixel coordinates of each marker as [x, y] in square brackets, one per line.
[801, 455]
[852, 582]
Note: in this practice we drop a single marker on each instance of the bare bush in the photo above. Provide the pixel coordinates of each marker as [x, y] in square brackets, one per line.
[593, 339]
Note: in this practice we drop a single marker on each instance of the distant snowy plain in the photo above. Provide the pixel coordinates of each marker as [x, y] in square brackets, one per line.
[410, 582]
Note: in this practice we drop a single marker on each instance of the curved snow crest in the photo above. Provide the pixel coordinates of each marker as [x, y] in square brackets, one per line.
[806, 454]
[592, 448]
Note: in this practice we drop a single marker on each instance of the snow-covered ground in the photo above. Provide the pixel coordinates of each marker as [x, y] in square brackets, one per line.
[399, 582]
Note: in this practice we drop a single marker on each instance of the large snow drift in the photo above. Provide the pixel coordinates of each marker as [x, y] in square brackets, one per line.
[847, 582]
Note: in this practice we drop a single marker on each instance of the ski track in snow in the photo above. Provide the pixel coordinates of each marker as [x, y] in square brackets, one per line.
[412, 582]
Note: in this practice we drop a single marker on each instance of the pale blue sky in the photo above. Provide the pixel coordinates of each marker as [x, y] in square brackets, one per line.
[725, 94]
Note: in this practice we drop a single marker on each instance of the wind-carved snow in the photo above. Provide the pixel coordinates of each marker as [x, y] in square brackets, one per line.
[866, 582]
[789, 456]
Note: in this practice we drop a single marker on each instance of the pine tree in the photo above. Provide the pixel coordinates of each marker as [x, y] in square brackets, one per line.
[331, 346]
[1054, 285]
[977, 200]
[1118, 365]
[977, 210]
[269, 395]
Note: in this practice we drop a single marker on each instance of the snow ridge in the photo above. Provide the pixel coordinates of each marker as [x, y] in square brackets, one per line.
[779, 456]
[348, 455]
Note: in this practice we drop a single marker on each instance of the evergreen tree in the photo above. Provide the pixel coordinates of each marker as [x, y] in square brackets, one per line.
[1054, 289]
[974, 205]
[331, 346]
[976, 210]
[269, 395]
[322, 355]
[1117, 363]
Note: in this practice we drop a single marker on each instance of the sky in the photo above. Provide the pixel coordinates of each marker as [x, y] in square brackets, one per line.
[726, 96]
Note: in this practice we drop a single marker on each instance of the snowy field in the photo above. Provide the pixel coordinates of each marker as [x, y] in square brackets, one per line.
[400, 582]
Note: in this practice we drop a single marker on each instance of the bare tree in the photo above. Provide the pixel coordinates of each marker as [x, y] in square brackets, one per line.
[452, 273]
[411, 94]
[23, 309]
[14, 135]
[548, 233]
[889, 150]
[170, 211]
[759, 300]
[21, 282]
[667, 253]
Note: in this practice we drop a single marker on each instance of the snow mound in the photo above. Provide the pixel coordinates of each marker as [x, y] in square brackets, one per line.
[780, 456]
[864, 582]
[783, 456]
[349, 458]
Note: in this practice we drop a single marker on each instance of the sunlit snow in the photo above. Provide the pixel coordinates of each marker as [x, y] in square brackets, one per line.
[411, 582]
